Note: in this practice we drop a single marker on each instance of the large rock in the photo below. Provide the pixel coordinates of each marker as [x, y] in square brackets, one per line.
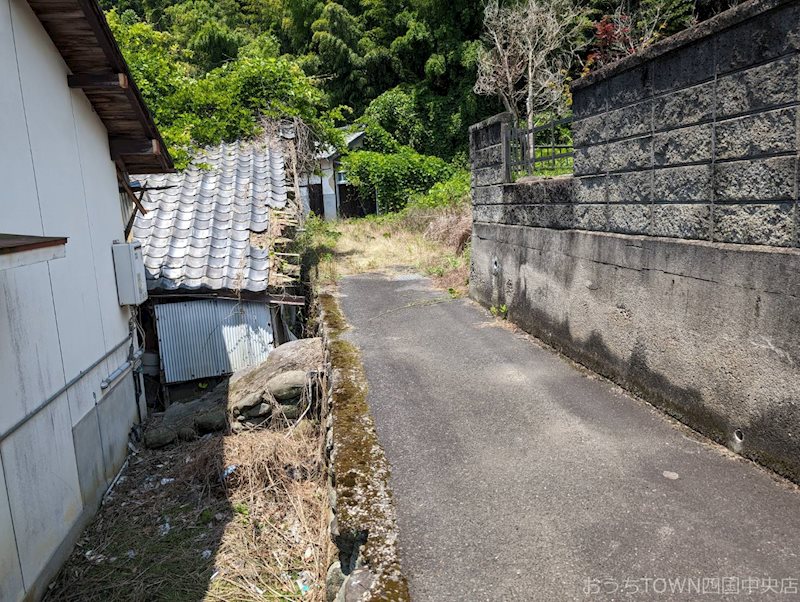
[302, 354]
[356, 586]
[240, 405]
[249, 388]
[262, 409]
[211, 421]
[186, 421]
[288, 385]
[291, 411]
[333, 581]
[159, 436]
[249, 394]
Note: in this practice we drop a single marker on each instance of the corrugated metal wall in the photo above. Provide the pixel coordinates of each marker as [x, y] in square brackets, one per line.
[210, 337]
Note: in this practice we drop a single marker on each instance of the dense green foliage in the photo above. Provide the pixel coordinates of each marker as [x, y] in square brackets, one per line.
[393, 177]
[445, 194]
[211, 70]
[408, 65]
[194, 107]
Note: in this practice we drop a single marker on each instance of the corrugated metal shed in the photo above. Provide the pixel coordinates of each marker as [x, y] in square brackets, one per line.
[209, 337]
[210, 230]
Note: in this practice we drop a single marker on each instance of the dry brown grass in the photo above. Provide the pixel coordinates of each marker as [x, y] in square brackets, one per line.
[250, 535]
[452, 229]
[434, 242]
[280, 535]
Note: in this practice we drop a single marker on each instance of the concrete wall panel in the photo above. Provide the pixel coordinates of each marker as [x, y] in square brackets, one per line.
[43, 489]
[103, 214]
[116, 414]
[83, 395]
[18, 203]
[30, 369]
[708, 332]
[91, 466]
[11, 587]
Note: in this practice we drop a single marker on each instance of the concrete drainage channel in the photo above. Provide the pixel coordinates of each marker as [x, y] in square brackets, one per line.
[363, 523]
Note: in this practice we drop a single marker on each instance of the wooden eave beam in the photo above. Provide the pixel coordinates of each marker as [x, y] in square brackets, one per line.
[80, 32]
[87, 81]
[133, 146]
[105, 38]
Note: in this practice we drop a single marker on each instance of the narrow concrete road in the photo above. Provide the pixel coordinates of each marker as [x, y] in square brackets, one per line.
[519, 477]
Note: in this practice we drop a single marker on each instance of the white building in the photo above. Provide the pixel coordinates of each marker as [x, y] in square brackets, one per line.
[73, 125]
[328, 193]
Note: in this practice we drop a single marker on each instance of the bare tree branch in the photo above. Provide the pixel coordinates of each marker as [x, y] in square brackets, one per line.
[299, 146]
[529, 49]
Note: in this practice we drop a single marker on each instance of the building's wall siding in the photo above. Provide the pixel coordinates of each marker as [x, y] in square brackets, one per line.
[56, 318]
[31, 368]
[42, 480]
[16, 160]
[10, 572]
[328, 179]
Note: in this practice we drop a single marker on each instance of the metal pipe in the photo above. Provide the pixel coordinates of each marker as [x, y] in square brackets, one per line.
[113, 376]
[106, 382]
[20, 423]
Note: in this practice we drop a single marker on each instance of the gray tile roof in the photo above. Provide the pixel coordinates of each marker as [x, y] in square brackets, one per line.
[350, 140]
[197, 235]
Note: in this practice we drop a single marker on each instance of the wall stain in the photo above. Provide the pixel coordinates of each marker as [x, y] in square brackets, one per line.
[763, 442]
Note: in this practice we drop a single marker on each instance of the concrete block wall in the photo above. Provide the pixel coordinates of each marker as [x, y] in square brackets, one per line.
[488, 152]
[636, 266]
[697, 138]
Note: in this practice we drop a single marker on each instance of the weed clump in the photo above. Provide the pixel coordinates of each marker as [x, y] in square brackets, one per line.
[236, 517]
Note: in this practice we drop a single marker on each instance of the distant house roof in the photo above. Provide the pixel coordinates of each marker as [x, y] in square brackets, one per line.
[350, 139]
[211, 230]
[79, 30]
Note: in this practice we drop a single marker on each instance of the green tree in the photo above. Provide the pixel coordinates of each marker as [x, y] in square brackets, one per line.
[226, 103]
[336, 38]
[393, 177]
[396, 111]
[211, 31]
[160, 67]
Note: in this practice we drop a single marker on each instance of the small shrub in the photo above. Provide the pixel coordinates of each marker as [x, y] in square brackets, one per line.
[499, 312]
[450, 193]
[315, 243]
[393, 177]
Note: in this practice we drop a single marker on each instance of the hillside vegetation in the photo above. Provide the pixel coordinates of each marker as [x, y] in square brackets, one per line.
[213, 70]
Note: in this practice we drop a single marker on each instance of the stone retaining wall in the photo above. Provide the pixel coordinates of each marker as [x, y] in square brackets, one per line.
[708, 332]
[637, 265]
[699, 138]
[363, 523]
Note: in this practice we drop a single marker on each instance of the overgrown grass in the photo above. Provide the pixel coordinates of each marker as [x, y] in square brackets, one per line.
[431, 235]
[545, 166]
[225, 518]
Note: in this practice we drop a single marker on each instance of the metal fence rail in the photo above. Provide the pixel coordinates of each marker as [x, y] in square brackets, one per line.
[541, 150]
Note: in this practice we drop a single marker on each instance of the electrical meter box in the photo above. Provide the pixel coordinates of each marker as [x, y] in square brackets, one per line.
[129, 268]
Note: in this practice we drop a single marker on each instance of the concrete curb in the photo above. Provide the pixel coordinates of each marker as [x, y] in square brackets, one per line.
[363, 523]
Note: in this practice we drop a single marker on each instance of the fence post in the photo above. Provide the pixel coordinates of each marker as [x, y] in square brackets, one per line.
[505, 153]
